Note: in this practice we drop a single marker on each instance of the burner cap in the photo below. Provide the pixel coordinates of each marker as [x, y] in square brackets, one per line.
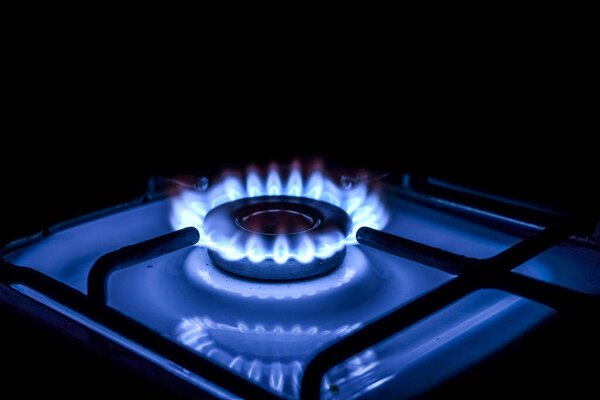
[269, 219]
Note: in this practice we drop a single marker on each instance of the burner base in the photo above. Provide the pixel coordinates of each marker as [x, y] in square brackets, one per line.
[269, 270]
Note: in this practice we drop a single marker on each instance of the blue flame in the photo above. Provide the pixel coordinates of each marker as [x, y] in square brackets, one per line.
[365, 209]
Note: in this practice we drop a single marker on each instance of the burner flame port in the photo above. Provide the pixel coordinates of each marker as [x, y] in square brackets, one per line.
[279, 223]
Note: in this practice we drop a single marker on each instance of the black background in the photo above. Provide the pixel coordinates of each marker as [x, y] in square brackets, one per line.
[84, 126]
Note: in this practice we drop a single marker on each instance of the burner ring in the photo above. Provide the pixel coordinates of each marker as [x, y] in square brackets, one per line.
[269, 219]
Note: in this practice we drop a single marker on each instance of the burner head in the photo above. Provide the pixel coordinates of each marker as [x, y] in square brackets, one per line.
[278, 223]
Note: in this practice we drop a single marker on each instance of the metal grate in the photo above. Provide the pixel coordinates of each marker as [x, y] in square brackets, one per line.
[471, 274]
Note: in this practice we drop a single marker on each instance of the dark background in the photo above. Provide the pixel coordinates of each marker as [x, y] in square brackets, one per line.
[85, 138]
[83, 127]
[86, 119]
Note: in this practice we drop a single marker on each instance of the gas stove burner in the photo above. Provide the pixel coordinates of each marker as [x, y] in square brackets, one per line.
[402, 319]
[283, 225]
[278, 222]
